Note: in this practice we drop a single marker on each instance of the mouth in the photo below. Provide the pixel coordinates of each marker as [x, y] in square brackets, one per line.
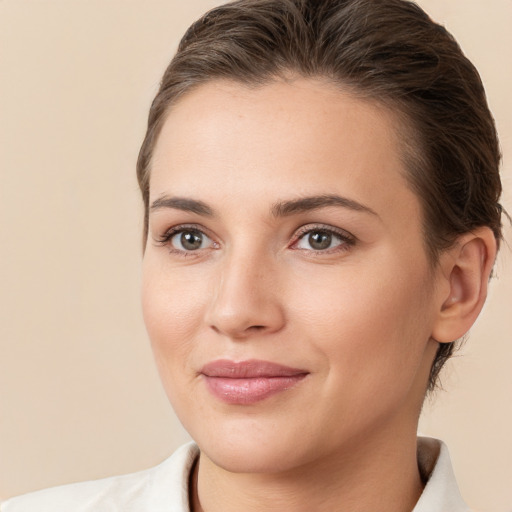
[248, 382]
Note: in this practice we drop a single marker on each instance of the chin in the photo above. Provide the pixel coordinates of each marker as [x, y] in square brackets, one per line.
[250, 457]
[254, 445]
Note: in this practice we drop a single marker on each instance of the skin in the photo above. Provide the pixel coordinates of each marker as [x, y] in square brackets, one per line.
[360, 317]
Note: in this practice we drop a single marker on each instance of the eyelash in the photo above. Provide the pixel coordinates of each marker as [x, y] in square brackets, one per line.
[347, 240]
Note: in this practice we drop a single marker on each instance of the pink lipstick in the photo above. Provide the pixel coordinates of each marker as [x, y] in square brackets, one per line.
[248, 382]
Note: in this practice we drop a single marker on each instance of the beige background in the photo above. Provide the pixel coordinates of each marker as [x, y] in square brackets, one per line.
[79, 397]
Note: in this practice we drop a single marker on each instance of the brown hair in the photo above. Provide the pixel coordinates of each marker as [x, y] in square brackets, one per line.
[387, 51]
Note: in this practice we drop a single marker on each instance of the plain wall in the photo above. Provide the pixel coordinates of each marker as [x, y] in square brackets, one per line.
[79, 397]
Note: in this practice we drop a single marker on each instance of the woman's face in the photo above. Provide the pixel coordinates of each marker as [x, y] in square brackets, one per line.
[286, 287]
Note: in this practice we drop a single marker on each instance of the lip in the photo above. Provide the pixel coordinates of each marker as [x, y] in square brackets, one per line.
[248, 382]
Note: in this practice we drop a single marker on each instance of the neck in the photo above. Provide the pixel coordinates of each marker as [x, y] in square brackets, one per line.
[380, 473]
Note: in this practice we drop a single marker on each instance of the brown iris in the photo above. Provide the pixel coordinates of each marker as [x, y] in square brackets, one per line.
[191, 240]
[320, 240]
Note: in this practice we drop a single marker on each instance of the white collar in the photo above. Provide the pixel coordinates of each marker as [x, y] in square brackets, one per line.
[441, 493]
[164, 488]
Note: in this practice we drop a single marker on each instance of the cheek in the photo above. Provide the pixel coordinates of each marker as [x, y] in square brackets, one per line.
[172, 306]
[370, 322]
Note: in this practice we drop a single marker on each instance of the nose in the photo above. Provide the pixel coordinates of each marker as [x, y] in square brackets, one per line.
[245, 299]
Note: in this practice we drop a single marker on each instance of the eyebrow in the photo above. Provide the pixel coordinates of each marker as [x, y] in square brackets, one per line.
[279, 209]
[182, 203]
[305, 204]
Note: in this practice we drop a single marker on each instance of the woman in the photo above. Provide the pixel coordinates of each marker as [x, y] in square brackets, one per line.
[321, 191]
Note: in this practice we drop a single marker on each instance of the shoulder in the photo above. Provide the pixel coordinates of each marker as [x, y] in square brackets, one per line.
[161, 488]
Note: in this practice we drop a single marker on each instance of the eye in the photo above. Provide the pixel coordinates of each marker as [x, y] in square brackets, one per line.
[323, 239]
[185, 240]
[189, 240]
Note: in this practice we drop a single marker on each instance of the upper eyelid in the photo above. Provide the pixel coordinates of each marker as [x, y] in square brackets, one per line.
[343, 233]
[192, 226]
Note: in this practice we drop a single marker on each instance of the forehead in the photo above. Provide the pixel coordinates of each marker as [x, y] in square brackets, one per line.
[286, 137]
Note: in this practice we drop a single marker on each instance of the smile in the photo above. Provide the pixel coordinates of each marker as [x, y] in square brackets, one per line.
[248, 382]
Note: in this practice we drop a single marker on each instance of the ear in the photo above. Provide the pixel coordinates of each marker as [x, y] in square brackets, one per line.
[465, 271]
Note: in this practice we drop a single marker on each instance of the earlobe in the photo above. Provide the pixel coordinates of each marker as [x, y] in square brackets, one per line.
[466, 270]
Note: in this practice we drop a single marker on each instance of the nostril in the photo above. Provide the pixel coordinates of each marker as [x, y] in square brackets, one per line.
[243, 332]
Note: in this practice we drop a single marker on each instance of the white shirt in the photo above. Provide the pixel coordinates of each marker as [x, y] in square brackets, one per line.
[164, 488]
